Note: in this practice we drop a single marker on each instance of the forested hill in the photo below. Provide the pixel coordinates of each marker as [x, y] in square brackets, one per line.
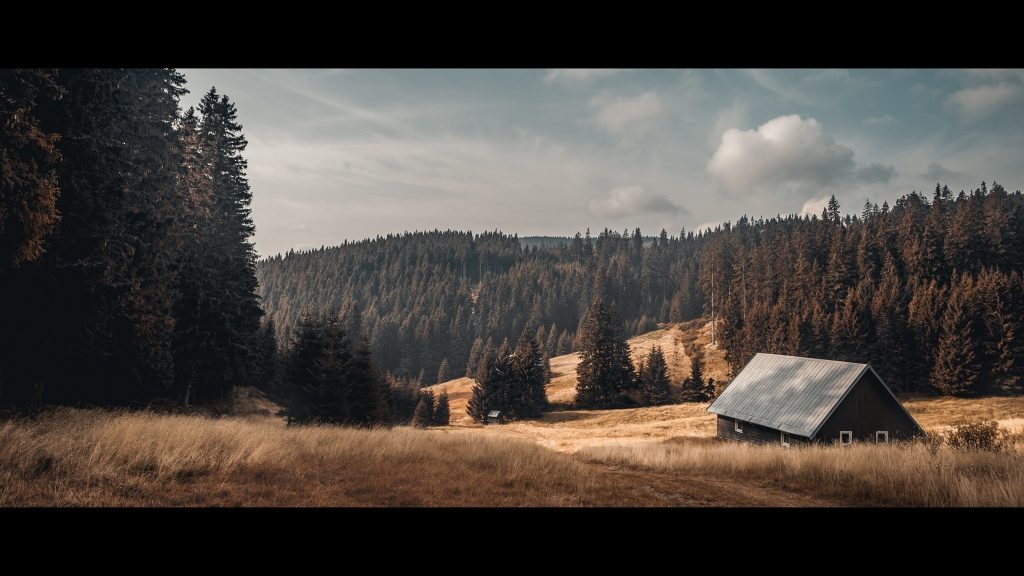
[427, 297]
[929, 290]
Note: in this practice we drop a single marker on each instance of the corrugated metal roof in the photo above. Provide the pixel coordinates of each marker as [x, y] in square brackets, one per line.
[788, 393]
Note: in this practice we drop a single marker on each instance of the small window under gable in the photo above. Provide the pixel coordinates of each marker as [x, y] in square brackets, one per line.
[846, 437]
[882, 437]
[738, 426]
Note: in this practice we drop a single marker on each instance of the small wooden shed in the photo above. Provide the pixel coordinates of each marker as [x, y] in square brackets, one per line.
[494, 417]
[788, 399]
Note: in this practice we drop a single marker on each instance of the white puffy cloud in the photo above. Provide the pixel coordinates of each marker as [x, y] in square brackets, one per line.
[981, 102]
[577, 75]
[788, 153]
[632, 200]
[628, 117]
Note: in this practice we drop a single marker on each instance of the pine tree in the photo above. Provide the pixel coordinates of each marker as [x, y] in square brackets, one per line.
[551, 343]
[605, 369]
[564, 343]
[478, 405]
[28, 161]
[474, 356]
[364, 387]
[833, 210]
[300, 371]
[103, 291]
[218, 311]
[956, 371]
[654, 383]
[695, 387]
[424, 414]
[267, 364]
[443, 373]
[441, 411]
[528, 378]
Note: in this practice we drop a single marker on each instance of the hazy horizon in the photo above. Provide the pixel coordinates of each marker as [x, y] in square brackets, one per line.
[339, 155]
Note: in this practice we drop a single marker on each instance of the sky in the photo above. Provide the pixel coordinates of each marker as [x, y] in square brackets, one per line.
[350, 154]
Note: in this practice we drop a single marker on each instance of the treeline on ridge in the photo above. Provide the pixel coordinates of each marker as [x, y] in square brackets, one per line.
[929, 291]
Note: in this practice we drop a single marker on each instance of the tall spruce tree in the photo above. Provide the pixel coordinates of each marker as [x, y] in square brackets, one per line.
[695, 387]
[956, 369]
[443, 372]
[654, 383]
[528, 378]
[424, 414]
[442, 412]
[219, 309]
[605, 369]
[482, 392]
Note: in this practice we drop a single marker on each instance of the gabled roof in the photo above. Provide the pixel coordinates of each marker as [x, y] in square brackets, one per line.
[789, 393]
[494, 414]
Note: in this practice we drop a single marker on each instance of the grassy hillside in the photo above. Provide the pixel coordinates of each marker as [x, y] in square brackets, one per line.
[674, 339]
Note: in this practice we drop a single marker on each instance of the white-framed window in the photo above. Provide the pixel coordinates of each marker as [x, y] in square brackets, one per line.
[785, 439]
[846, 437]
[738, 426]
[882, 437]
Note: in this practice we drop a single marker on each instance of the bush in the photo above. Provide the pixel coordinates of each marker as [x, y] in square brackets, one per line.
[978, 436]
[933, 441]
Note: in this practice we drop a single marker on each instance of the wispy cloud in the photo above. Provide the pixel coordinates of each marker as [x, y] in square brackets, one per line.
[571, 76]
[627, 117]
[980, 102]
[879, 120]
[779, 88]
[938, 173]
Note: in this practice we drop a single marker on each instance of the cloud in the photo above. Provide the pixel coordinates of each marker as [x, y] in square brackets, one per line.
[783, 90]
[788, 153]
[632, 200]
[874, 173]
[577, 75]
[710, 225]
[814, 206]
[937, 173]
[735, 115]
[878, 120]
[980, 102]
[628, 117]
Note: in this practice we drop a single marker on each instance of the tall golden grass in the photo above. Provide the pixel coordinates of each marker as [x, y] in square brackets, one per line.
[900, 475]
[89, 458]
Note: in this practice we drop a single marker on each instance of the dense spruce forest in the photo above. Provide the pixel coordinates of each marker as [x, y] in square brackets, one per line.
[429, 299]
[126, 267]
[929, 290]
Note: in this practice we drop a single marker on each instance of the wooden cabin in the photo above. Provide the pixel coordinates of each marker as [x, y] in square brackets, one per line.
[789, 399]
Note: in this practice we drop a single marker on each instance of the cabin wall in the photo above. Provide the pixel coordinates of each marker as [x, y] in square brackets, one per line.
[753, 433]
[867, 409]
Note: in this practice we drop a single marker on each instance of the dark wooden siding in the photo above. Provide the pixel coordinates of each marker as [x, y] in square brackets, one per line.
[753, 433]
[867, 409]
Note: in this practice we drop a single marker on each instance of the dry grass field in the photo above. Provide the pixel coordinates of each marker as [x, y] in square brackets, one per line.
[656, 456]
